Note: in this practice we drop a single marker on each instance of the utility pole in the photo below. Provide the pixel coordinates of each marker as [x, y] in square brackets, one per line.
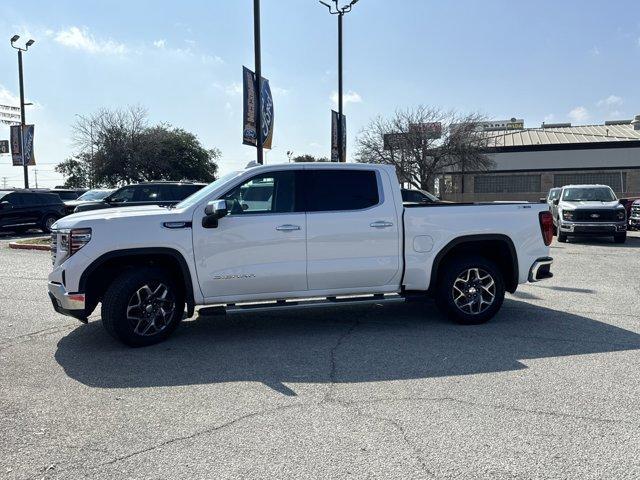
[258, 69]
[14, 39]
[4, 182]
[35, 172]
[340, 11]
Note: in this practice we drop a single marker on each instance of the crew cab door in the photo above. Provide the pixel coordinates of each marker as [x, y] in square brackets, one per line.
[353, 238]
[259, 247]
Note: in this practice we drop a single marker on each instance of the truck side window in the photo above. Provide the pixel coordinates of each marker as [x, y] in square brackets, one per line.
[272, 192]
[332, 190]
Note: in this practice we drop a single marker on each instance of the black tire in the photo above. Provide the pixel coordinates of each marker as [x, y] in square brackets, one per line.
[562, 238]
[450, 274]
[47, 221]
[620, 237]
[123, 293]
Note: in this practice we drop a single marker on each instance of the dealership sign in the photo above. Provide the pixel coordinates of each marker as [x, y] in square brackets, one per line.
[430, 130]
[9, 115]
[250, 110]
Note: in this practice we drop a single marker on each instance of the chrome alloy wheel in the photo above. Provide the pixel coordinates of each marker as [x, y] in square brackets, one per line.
[150, 309]
[474, 290]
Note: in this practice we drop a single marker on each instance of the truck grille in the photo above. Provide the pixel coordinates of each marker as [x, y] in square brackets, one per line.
[635, 211]
[596, 216]
[54, 246]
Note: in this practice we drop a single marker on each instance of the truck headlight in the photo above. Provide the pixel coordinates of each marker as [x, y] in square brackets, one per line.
[567, 215]
[70, 241]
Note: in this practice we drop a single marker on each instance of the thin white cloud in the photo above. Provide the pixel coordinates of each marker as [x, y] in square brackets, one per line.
[549, 118]
[8, 98]
[610, 101]
[579, 114]
[81, 39]
[595, 51]
[279, 91]
[349, 97]
[160, 43]
[233, 89]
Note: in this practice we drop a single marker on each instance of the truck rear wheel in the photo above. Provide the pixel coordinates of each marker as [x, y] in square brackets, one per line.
[470, 290]
[142, 306]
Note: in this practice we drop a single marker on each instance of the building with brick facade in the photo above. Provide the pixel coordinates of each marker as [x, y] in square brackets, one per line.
[530, 161]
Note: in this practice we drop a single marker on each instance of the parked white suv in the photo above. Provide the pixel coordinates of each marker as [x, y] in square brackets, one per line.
[325, 234]
[589, 210]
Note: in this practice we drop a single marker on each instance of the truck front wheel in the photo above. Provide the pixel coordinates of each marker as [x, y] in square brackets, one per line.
[142, 306]
[470, 290]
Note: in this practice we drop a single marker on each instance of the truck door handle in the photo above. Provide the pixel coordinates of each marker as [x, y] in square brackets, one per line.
[287, 227]
[381, 224]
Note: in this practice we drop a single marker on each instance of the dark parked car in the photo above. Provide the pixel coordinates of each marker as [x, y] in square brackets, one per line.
[628, 203]
[21, 210]
[149, 193]
[93, 195]
[418, 196]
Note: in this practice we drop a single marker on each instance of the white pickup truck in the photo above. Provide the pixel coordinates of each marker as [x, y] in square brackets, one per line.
[293, 236]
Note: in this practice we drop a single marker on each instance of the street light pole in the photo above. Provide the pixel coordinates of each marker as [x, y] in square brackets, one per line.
[340, 11]
[258, 68]
[22, 112]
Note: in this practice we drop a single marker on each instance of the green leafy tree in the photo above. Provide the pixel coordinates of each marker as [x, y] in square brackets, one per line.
[120, 147]
[309, 158]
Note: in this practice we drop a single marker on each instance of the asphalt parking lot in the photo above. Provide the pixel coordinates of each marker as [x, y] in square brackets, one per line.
[549, 389]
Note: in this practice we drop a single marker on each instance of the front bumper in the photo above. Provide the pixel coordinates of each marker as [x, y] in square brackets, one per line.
[541, 269]
[592, 228]
[71, 304]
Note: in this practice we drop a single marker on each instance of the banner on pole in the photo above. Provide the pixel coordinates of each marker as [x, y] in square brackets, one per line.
[250, 110]
[335, 155]
[19, 140]
[16, 145]
[27, 141]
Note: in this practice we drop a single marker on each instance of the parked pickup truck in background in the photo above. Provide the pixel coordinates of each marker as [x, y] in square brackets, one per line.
[589, 210]
[634, 218]
[326, 234]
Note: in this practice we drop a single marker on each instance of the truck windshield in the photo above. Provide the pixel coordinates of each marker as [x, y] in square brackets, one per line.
[597, 194]
[204, 192]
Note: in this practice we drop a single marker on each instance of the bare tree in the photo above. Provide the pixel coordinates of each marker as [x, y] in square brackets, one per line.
[424, 142]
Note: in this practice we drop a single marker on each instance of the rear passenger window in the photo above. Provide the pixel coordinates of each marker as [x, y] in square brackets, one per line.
[331, 190]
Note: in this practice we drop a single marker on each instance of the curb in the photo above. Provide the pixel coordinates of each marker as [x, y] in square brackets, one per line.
[28, 246]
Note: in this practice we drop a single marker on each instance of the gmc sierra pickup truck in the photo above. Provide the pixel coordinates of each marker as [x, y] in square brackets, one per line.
[293, 236]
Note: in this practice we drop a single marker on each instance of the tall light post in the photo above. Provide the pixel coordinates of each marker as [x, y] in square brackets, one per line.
[340, 12]
[258, 68]
[30, 42]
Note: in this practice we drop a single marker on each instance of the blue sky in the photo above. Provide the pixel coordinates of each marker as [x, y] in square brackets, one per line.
[548, 60]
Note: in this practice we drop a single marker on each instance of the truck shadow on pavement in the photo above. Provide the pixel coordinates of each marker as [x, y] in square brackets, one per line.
[360, 344]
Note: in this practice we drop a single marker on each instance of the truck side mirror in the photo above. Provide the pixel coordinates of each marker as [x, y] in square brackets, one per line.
[556, 201]
[214, 211]
[5, 205]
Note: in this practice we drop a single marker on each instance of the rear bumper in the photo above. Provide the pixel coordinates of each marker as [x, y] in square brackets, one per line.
[541, 269]
[592, 228]
[65, 303]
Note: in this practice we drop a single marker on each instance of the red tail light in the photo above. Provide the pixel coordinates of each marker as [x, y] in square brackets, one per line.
[546, 227]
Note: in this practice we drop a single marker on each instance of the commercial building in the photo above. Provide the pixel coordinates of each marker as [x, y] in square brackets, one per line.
[530, 161]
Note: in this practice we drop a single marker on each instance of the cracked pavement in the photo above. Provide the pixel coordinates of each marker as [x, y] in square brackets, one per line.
[548, 389]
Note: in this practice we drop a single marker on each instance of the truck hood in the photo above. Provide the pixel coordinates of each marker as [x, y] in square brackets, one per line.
[85, 219]
[591, 205]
